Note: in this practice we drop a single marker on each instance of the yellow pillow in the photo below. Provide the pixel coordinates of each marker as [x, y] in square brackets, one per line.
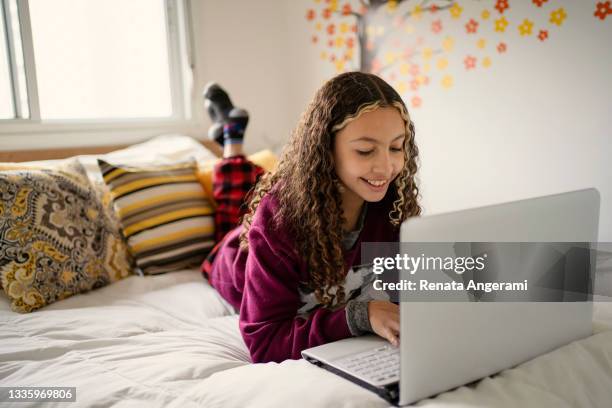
[165, 215]
[264, 158]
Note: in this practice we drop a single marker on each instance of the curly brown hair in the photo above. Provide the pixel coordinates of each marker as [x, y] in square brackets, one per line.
[307, 187]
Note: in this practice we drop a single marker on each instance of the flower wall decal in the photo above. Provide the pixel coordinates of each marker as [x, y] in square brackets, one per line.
[414, 44]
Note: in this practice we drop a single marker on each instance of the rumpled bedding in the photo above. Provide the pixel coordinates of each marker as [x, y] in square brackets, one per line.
[171, 341]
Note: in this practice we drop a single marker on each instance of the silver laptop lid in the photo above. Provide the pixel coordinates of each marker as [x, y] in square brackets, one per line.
[564, 217]
[444, 345]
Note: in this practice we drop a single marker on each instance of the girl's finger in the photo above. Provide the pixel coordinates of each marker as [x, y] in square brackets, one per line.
[392, 337]
[394, 325]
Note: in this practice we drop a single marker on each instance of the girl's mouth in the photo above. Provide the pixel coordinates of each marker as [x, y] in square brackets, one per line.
[375, 185]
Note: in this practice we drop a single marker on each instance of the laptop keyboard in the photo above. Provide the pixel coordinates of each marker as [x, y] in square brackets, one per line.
[378, 365]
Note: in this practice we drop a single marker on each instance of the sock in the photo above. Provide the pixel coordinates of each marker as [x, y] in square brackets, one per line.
[218, 105]
[233, 130]
[215, 132]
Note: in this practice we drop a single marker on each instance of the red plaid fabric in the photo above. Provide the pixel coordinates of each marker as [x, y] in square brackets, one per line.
[233, 178]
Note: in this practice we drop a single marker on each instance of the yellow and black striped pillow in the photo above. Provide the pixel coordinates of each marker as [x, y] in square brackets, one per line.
[165, 215]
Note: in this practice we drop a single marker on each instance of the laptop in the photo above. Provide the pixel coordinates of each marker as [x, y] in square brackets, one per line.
[444, 345]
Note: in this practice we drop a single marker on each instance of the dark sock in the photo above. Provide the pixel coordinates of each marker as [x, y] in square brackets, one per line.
[233, 130]
[215, 132]
[218, 105]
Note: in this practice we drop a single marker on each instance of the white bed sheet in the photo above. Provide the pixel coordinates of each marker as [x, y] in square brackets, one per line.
[170, 340]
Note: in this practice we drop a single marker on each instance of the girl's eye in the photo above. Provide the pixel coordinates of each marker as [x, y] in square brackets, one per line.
[397, 149]
[364, 152]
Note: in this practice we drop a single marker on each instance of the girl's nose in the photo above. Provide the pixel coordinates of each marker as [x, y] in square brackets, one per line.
[383, 164]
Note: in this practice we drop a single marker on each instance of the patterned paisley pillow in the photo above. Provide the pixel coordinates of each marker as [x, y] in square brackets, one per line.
[57, 238]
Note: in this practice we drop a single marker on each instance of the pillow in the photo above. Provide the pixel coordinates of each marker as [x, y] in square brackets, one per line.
[56, 237]
[264, 158]
[164, 149]
[165, 215]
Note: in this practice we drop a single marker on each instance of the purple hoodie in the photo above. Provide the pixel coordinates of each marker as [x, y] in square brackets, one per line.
[263, 284]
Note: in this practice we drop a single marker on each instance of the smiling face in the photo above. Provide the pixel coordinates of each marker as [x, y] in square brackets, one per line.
[369, 154]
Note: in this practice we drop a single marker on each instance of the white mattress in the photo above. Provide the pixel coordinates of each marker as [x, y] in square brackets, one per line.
[170, 340]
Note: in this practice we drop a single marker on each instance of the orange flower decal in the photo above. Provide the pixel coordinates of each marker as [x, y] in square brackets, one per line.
[501, 6]
[602, 10]
[472, 26]
[470, 62]
[436, 26]
[543, 35]
[346, 9]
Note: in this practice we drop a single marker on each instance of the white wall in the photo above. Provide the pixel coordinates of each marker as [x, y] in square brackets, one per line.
[243, 46]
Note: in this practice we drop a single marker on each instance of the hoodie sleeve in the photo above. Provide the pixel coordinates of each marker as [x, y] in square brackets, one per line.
[269, 323]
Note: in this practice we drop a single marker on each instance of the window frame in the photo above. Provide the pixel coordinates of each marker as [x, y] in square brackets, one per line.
[182, 79]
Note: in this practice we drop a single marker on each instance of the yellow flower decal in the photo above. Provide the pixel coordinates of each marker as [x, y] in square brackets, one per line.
[526, 27]
[485, 14]
[417, 12]
[501, 24]
[481, 43]
[456, 11]
[339, 65]
[404, 69]
[344, 28]
[448, 44]
[389, 58]
[339, 42]
[427, 53]
[558, 16]
[486, 62]
[442, 63]
[447, 81]
[319, 26]
[409, 29]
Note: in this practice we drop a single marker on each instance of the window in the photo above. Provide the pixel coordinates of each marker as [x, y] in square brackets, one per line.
[67, 61]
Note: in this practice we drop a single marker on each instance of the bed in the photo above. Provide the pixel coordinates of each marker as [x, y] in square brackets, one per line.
[170, 340]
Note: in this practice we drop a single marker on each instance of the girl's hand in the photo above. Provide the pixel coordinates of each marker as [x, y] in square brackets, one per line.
[384, 319]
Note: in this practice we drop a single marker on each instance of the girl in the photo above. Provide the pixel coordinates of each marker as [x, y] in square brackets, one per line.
[347, 176]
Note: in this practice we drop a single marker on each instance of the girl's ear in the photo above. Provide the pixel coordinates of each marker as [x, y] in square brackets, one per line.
[340, 186]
